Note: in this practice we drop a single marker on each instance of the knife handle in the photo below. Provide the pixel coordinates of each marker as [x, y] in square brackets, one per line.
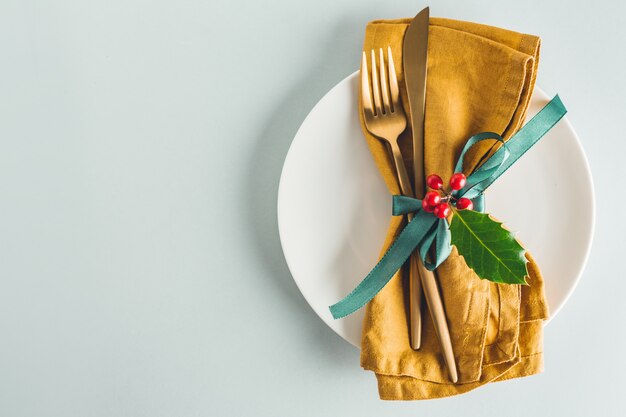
[437, 312]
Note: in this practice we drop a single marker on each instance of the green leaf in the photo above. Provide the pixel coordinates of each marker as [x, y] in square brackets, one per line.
[489, 249]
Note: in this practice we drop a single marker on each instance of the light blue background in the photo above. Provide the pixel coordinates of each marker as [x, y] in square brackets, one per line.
[141, 144]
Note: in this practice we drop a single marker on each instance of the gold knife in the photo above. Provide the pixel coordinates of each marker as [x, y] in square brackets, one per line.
[415, 59]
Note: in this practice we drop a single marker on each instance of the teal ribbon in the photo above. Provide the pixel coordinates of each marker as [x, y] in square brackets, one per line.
[431, 235]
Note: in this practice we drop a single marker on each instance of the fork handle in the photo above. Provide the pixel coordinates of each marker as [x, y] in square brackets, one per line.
[403, 176]
[415, 303]
[415, 280]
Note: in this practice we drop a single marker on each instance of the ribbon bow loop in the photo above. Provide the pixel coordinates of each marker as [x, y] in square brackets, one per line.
[402, 204]
[481, 177]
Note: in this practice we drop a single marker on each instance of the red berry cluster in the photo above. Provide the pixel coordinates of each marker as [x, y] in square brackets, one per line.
[438, 204]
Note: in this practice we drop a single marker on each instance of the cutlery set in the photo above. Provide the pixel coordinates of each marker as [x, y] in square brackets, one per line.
[385, 118]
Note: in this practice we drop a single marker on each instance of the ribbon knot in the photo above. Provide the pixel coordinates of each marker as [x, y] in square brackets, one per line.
[437, 236]
[427, 233]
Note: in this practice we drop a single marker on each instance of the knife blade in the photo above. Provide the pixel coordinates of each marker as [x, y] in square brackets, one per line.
[415, 62]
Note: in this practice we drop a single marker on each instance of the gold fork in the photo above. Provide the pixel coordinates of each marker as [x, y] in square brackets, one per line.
[385, 119]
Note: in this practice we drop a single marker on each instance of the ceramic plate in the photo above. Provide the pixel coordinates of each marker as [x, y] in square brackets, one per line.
[334, 209]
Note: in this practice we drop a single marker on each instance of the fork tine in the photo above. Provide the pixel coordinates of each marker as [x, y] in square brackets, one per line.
[384, 84]
[393, 81]
[376, 86]
[366, 93]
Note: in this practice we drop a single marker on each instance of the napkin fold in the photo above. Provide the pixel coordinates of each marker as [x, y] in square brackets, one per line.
[480, 78]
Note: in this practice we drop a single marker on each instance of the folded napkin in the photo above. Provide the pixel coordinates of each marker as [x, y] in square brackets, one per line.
[480, 78]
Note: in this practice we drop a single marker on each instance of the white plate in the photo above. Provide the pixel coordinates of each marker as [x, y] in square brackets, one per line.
[334, 209]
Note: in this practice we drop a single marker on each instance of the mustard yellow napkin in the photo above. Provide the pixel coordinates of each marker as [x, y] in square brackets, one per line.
[480, 78]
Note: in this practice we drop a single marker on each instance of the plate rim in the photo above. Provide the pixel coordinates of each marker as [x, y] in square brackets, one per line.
[591, 202]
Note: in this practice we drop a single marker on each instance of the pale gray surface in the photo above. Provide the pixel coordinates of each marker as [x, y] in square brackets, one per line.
[140, 268]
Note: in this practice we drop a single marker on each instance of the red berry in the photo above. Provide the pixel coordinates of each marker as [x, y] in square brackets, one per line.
[434, 181]
[427, 207]
[442, 210]
[464, 203]
[432, 198]
[457, 181]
